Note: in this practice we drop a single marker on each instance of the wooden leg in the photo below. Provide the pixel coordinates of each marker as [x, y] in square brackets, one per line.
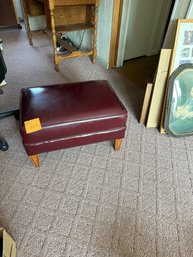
[56, 67]
[35, 160]
[94, 60]
[26, 14]
[118, 143]
[54, 41]
[56, 60]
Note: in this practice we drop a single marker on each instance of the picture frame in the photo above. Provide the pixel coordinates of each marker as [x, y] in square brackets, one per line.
[183, 44]
[179, 105]
[182, 54]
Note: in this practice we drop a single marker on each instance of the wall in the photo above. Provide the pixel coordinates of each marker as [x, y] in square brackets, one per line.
[189, 14]
[159, 27]
[18, 8]
[37, 22]
[103, 34]
[179, 12]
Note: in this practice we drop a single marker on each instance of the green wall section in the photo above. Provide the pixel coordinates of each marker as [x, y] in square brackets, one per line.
[104, 31]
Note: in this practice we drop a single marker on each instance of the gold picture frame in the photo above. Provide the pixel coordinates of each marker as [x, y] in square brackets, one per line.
[183, 44]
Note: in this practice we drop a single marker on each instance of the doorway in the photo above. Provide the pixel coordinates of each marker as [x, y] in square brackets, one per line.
[142, 29]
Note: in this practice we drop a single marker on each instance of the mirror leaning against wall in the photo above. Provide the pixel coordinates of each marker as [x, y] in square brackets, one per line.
[179, 104]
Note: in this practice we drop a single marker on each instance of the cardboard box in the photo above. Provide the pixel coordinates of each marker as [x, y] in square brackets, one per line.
[8, 245]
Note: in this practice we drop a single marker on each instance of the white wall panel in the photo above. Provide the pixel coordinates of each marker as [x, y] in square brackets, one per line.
[179, 12]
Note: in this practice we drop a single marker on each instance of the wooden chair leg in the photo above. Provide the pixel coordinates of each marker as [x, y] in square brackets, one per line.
[35, 160]
[118, 143]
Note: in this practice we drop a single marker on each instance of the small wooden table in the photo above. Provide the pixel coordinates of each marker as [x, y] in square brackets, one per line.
[65, 16]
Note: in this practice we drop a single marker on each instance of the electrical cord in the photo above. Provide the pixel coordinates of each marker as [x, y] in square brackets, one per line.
[81, 39]
[70, 42]
[62, 49]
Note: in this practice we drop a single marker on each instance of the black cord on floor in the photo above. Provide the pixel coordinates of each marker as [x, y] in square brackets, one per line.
[81, 39]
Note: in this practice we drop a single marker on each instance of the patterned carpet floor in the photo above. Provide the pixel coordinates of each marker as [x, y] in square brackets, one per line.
[91, 201]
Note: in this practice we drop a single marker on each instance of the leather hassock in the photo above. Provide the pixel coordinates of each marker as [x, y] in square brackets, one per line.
[71, 114]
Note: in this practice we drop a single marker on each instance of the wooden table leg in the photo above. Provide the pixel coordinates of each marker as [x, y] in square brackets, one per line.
[26, 14]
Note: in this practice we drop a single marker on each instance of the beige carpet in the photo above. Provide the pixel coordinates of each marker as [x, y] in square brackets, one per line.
[92, 201]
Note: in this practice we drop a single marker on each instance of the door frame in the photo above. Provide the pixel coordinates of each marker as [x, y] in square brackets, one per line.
[115, 32]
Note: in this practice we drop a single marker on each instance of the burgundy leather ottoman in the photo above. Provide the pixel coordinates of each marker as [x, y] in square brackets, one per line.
[71, 114]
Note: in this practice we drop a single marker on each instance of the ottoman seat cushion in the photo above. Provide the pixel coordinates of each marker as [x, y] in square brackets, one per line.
[71, 114]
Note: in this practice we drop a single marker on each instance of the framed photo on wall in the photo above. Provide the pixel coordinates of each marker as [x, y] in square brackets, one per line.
[183, 45]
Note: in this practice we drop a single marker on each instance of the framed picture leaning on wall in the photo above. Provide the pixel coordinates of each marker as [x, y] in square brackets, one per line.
[182, 54]
[183, 45]
[179, 104]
